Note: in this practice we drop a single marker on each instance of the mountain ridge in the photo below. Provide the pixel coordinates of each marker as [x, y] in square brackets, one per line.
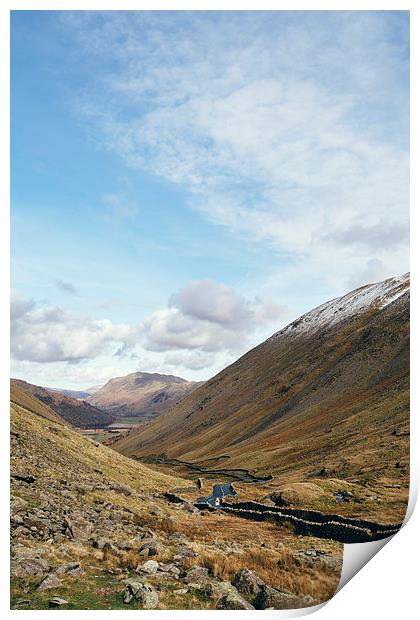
[77, 412]
[293, 402]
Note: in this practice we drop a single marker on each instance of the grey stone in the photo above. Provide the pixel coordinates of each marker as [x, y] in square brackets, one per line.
[71, 568]
[196, 574]
[233, 601]
[57, 602]
[142, 592]
[149, 549]
[17, 505]
[29, 566]
[49, 582]
[179, 537]
[215, 589]
[280, 599]
[150, 567]
[186, 552]
[169, 568]
[247, 582]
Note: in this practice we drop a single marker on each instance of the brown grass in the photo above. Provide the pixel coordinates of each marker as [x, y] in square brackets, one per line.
[276, 568]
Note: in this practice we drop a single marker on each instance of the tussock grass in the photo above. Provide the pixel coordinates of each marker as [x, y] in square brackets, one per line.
[278, 569]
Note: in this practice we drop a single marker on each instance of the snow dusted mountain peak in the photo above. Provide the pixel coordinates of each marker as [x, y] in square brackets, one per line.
[377, 295]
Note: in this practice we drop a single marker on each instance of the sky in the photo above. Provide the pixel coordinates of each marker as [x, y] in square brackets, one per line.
[184, 184]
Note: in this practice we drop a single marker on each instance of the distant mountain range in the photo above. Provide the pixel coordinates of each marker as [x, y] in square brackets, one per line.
[326, 395]
[141, 395]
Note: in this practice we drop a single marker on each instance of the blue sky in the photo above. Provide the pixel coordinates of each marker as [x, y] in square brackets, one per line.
[186, 183]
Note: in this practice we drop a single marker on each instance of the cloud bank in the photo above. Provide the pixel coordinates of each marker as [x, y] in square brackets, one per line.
[51, 334]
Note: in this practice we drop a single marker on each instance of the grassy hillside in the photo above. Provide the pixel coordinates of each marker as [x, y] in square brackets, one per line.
[85, 519]
[78, 412]
[327, 397]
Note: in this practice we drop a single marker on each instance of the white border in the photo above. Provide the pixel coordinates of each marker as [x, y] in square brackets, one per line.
[386, 587]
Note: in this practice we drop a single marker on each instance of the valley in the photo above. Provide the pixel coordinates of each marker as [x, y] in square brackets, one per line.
[92, 529]
[241, 495]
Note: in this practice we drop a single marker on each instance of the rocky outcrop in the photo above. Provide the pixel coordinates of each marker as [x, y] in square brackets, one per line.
[233, 601]
[247, 582]
[142, 592]
[280, 599]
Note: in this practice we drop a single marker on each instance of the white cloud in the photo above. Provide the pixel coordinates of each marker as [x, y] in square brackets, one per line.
[375, 270]
[288, 130]
[50, 334]
[207, 316]
[194, 360]
[212, 301]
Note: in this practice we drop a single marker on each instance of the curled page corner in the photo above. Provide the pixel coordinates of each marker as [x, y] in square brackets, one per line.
[357, 555]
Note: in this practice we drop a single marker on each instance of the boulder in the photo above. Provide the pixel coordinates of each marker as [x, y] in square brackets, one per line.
[149, 549]
[18, 505]
[77, 527]
[110, 547]
[186, 552]
[57, 602]
[280, 599]
[215, 589]
[196, 574]
[150, 567]
[169, 568]
[49, 582]
[247, 582]
[29, 566]
[179, 537]
[233, 601]
[71, 568]
[142, 592]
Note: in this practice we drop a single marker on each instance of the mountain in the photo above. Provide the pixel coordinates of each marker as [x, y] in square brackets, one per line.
[20, 398]
[141, 395]
[91, 529]
[78, 412]
[328, 395]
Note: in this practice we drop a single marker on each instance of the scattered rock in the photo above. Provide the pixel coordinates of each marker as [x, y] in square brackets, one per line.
[215, 589]
[343, 496]
[71, 568]
[179, 537]
[110, 547]
[150, 567]
[247, 582]
[17, 505]
[24, 478]
[280, 599]
[233, 601]
[21, 603]
[149, 548]
[57, 602]
[320, 559]
[196, 574]
[169, 568]
[181, 591]
[142, 592]
[186, 552]
[49, 582]
[29, 566]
